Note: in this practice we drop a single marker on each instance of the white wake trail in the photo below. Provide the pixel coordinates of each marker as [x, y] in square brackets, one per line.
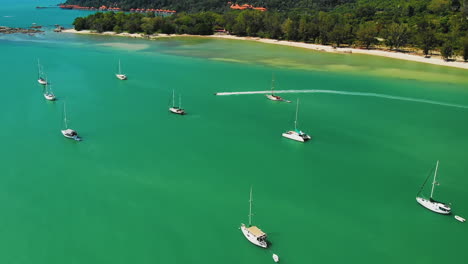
[386, 96]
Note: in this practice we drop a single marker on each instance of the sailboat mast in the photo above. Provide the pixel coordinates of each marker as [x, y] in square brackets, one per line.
[272, 84]
[435, 175]
[120, 71]
[38, 69]
[173, 98]
[297, 110]
[250, 207]
[180, 101]
[65, 116]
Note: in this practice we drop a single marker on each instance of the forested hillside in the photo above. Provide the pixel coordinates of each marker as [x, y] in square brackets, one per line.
[425, 24]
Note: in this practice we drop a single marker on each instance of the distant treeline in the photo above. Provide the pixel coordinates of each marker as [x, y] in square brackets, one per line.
[428, 25]
[192, 6]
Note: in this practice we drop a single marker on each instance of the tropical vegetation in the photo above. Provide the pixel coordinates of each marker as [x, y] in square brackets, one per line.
[427, 25]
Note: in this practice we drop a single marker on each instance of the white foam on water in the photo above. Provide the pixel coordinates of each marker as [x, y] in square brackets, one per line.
[385, 96]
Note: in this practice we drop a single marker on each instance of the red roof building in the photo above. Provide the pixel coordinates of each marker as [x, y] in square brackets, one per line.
[247, 6]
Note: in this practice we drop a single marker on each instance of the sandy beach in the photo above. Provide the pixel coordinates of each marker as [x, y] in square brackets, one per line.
[436, 60]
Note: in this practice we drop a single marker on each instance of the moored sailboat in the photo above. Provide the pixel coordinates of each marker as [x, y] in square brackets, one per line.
[296, 134]
[176, 109]
[49, 95]
[431, 204]
[67, 132]
[120, 75]
[40, 79]
[254, 234]
[272, 96]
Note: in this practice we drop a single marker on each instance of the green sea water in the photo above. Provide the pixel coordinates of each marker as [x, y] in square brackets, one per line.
[145, 186]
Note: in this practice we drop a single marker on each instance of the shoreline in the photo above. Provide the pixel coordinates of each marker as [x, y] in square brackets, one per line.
[382, 53]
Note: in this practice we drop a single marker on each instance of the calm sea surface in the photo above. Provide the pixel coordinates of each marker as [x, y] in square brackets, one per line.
[145, 186]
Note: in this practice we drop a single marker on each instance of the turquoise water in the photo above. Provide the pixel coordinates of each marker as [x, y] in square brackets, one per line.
[145, 186]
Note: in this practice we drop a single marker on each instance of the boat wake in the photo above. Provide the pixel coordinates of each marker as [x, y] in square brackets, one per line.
[385, 96]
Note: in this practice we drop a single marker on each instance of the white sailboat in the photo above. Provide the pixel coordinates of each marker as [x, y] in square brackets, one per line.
[296, 134]
[40, 79]
[49, 95]
[430, 203]
[272, 96]
[120, 75]
[176, 109]
[253, 233]
[67, 132]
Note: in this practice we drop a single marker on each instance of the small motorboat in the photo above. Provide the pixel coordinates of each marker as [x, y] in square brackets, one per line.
[459, 218]
[275, 258]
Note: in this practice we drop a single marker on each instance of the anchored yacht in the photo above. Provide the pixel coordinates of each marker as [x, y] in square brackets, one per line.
[67, 132]
[296, 134]
[49, 95]
[40, 79]
[120, 75]
[254, 234]
[272, 96]
[176, 109]
[431, 204]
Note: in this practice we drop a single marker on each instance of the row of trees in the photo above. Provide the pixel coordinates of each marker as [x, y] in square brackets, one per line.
[440, 25]
[212, 5]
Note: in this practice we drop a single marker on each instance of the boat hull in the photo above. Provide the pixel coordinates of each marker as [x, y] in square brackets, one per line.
[42, 81]
[121, 76]
[177, 111]
[273, 97]
[459, 218]
[275, 258]
[296, 136]
[49, 97]
[66, 134]
[434, 206]
[253, 239]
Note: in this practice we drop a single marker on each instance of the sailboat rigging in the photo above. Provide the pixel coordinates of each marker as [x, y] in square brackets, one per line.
[67, 132]
[49, 95]
[40, 79]
[120, 75]
[254, 234]
[176, 109]
[431, 204]
[296, 134]
[272, 96]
